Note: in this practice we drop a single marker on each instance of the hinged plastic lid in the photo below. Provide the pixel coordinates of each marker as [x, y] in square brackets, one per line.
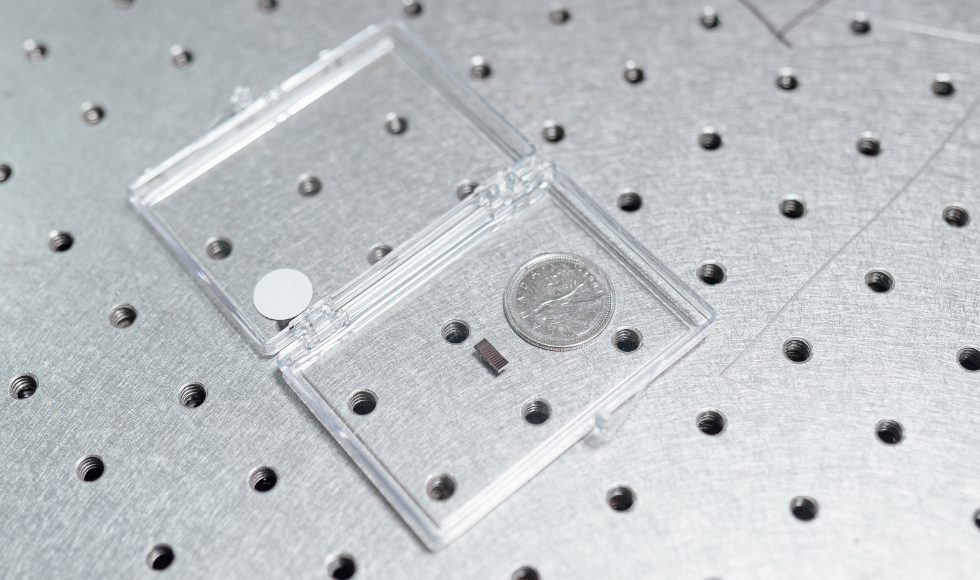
[330, 175]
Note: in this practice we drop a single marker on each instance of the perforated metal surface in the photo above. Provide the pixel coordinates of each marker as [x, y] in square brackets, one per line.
[704, 506]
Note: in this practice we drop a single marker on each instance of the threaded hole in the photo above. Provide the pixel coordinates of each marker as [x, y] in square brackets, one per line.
[60, 241]
[362, 402]
[956, 216]
[792, 208]
[552, 131]
[23, 386]
[969, 358]
[455, 331]
[92, 113]
[466, 189]
[122, 316]
[160, 557]
[879, 281]
[309, 185]
[525, 573]
[218, 248]
[441, 487]
[395, 124]
[629, 201]
[797, 350]
[559, 15]
[976, 518]
[262, 479]
[712, 274]
[803, 508]
[627, 339]
[378, 252]
[889, 431]
[869, 146]
[711, 422]
[342, 567]
[536, 411]
[90, 468]
[709, 140]
[621, 498]
[192, 395]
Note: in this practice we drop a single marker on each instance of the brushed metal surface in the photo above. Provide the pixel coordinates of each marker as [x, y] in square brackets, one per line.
[705, 506]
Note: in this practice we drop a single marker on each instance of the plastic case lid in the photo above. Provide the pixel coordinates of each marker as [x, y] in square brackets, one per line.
[527, 268]
[330, 170]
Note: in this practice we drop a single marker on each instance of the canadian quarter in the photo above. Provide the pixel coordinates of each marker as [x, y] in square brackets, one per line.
[559, 301]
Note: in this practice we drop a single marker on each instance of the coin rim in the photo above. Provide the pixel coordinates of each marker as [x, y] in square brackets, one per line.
[548, 257]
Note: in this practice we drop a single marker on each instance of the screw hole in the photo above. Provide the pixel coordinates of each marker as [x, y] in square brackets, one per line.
[633, 73]
[712, 273]
[90, 468]
[262, 479]
[35, 50]
[629, 201]
[797, 350]
[192, 395]
[889, 431]
[525, 573]
[709, 139]
[943, 85]
[956, 216]
[976, 518]
[553, 132]
[362, 402]
[861, 24]
[455, 331]
[160, 557]
[559, 16]
[218, 248]
[627, 339]
[122, 316]
[267, 5]
[309, 185]
[803, 508]
[792, 208]
[479, 67]
[5, 172]
[466, 189]
[711, 422]
[92, 113]
[23, 386]
[787, 80]
[709, 17]
[879, 281]
[412, 7]
[396, 125]
[60, 241]
[868, 145]
[969, 358]
[536, 411]
[621, 498]
[378, 252]
[180, 56]
[342, 567]
[441, 487]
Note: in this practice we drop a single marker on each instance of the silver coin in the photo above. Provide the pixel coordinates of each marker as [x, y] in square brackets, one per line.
[559, 301]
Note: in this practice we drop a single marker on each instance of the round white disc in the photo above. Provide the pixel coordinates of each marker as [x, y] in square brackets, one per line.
[282, 294]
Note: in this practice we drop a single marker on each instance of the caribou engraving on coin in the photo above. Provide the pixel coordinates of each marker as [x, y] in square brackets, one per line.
[559, 301]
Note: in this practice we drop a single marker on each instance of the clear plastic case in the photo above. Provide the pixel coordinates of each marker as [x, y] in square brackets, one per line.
[384, 356]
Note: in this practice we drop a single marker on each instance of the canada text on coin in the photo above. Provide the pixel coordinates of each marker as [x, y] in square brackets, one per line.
[559, 301]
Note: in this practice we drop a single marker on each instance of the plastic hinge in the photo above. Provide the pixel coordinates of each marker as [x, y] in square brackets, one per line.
[313, 327]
